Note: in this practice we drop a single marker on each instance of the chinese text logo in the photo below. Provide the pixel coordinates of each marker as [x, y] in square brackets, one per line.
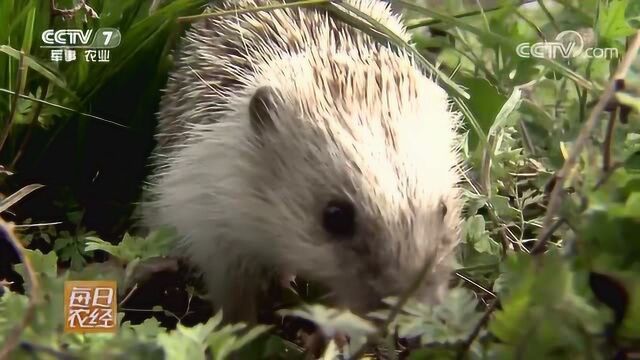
[567, 44]
[95, 46]
[90, 306]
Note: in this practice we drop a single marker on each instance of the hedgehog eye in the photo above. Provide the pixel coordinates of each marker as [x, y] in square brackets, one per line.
[338, 218]
[443, 209]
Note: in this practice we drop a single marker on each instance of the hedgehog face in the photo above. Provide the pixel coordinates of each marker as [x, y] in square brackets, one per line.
[362, 189]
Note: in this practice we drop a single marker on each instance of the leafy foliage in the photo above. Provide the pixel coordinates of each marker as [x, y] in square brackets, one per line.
[577, 298]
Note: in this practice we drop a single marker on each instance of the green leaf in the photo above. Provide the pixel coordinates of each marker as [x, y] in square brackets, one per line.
[543, 312]
[43, 264]
[12, 309]
[502, 206]
[185, 343]
[37, 66]
[474, 233]
[448, 322]
[485, 105]
[501, 120]
[190, 343]
[612, 22]
[158, 243]
[223, 342]
[632, 206]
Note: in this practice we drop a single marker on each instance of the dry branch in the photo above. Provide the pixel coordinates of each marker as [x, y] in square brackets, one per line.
[555, 197]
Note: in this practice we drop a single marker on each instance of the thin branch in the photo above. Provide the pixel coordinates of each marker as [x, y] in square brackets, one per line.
[505, 241]
[475, 284]
[583, 136]
[549, 16]
[34, 294]
[206, 15]
[22, 96]
[531, 24]
[415, 285]
[70, 13]
[608, 139]
[545, 235]
[607, 174]
[423, 22]
[164, 311]
[23, 226]
[615, 112]
[476, 330]
[128, 295]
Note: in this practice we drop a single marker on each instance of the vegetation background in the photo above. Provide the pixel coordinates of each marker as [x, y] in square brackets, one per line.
[549, 266]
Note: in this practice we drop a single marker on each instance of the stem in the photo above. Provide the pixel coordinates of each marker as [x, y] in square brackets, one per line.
[583, 136]
[302, 3]
[406, 295]
[606, 146]
[476, 330]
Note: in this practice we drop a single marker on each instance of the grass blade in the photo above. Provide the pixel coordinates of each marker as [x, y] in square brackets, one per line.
[36, 66]
[64, 108]
[17, 196]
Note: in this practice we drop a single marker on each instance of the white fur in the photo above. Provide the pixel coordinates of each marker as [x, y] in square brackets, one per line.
[357, 119]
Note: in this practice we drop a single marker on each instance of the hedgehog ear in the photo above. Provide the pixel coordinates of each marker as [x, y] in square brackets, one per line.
[263, 103]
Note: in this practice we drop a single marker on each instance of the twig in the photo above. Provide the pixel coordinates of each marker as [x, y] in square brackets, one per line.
[129, 294]
[505, 241]
[545, 235]
[431, 21]
[24, 226]
[22, 96]
[548, 15]
[187, 310]
[206, 15]
[69, 13]
[475, 284]
[616, 112]
[531, 24]
[607, 174]
[382, 332]
[164, 311]
[583, 136]
[608, 139]
[34, 294]
[426, 267]
[476, 330]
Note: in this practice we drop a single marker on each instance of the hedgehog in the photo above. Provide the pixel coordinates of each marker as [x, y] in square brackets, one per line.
[290, 143]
